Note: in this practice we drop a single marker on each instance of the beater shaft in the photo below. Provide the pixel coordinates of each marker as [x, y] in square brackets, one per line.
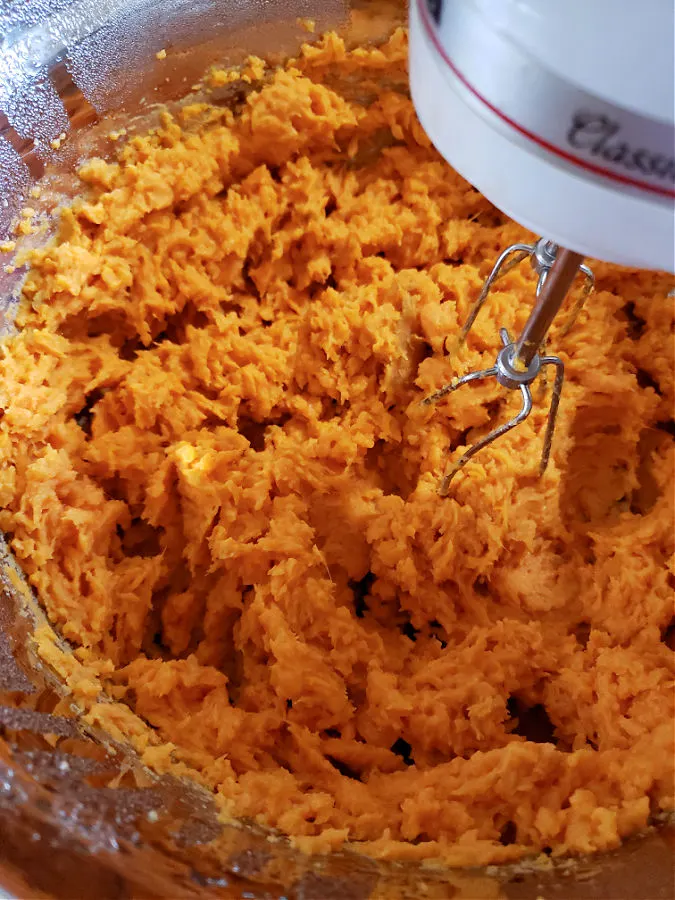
[548, 303]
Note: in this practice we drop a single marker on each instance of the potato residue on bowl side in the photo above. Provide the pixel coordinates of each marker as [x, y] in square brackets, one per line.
[218, 476]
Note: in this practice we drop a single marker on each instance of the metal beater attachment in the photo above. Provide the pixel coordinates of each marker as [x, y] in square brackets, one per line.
[520, 362]
[542, 255]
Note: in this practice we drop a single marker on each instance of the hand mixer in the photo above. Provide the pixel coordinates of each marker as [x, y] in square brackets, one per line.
[563, 116]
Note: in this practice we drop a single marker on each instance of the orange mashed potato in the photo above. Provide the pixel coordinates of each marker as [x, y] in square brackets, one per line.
[218, 476]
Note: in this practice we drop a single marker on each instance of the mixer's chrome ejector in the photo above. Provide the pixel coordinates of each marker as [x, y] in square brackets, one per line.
[519, 362]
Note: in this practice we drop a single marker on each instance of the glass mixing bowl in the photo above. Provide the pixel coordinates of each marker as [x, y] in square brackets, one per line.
[79, 816]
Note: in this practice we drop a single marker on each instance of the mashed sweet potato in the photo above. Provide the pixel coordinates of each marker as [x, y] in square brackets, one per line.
[218, 476]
